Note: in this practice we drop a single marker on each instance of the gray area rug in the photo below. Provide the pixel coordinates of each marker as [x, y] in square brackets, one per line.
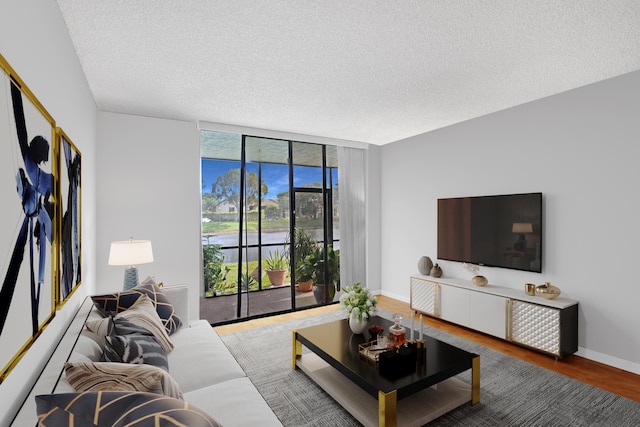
[513, 392]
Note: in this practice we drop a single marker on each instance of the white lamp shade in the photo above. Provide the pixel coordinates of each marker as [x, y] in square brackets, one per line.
[522, 227]
[130, 252]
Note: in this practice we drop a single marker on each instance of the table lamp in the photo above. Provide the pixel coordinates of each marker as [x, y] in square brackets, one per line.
[130, 253]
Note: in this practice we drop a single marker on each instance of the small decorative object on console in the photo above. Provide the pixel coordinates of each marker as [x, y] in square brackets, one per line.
[548, 291]
[425, 265]
[529, 289]
[436, 271]
[475, 269]
[479, 280]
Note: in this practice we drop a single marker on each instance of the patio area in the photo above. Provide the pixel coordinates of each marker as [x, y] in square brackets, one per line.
[223, 309]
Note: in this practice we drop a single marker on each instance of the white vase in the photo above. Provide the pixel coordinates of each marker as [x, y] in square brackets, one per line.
[357, 326]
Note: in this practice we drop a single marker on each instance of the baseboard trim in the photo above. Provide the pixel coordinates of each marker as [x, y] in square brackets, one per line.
[609, 360]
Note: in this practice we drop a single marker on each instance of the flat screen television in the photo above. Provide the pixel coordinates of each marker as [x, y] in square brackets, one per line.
[497, 231]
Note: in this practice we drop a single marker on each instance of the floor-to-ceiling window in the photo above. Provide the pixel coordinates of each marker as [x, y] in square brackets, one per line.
[270, 216]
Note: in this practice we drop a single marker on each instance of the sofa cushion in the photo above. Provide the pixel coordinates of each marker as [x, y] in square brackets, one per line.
[86, 348]
[142, 314]
[122, 301]
[98, 376]
[134, 348]
[118, 409]
[242, 404]
[200, 358]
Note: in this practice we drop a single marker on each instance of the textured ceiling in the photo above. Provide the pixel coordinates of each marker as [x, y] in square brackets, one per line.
[374, 71]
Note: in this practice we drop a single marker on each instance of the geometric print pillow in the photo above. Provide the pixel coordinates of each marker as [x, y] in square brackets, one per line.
[118, 409]
[113, 376]
[121, 301]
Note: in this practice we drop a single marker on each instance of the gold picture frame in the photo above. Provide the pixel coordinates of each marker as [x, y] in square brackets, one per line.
[28, 229]
[69, 217]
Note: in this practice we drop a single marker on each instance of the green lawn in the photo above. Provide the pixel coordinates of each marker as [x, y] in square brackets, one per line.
[229, 285]
[219, 227]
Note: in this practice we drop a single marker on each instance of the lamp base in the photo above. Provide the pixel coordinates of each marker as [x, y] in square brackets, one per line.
[130, 277]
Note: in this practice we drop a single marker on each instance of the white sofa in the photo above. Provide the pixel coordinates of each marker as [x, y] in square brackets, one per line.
[207, 373]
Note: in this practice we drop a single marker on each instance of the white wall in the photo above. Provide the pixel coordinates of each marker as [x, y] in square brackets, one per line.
[149, 188]
[580, 149]
[35, 42]
[373, 201]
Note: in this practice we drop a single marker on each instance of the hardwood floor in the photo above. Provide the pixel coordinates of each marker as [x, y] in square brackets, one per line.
[612, 379]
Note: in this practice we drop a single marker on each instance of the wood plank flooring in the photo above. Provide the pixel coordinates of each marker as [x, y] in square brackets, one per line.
[612, 379]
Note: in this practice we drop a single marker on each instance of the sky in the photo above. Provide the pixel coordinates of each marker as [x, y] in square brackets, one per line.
[275, 176]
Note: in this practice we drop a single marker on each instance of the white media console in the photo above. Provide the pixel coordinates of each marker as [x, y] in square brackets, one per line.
[549, 326]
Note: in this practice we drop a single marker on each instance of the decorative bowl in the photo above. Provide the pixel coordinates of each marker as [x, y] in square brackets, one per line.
[479, 280]
[548, 291]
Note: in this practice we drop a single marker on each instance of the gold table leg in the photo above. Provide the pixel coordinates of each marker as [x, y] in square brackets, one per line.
[296, 349]
[387, 403]
[475, 380]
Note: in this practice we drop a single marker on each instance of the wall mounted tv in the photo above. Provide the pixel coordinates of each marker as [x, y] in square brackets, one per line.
[497, 231]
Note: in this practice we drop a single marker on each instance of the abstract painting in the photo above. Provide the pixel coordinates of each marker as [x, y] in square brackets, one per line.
[70, 216]
[28, 261]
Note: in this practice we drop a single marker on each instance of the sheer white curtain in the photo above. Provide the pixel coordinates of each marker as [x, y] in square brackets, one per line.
[353, 239]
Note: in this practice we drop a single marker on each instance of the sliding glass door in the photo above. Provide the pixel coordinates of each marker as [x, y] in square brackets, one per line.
[266, 205]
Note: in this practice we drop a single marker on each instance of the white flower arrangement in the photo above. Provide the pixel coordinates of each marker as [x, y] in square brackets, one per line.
[358, 301]
[473, 269]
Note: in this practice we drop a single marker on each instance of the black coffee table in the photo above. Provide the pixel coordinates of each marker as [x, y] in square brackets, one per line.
[414, 399]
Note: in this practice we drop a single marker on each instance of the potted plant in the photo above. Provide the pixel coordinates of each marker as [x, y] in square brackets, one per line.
[246, 281]
[276, 268]
[360, 305]
[302, 245]
[214, 270]
[324, 279]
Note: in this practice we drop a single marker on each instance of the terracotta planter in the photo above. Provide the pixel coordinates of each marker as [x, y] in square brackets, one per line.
[276, 277]
[305, 286]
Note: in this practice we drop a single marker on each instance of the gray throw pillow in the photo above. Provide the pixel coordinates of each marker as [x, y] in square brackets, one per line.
[135, 348]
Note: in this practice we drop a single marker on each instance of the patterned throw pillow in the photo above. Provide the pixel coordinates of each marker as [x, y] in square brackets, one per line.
[118, 409]
[134, 348]
[114, 325]
[140, 313]
[99, 376]
[120, 325]
[119, 302]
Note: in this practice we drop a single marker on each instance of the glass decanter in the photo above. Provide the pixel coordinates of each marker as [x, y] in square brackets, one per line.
[397, 332]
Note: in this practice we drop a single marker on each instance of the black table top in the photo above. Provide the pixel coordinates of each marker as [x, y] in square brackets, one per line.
[338, 346]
